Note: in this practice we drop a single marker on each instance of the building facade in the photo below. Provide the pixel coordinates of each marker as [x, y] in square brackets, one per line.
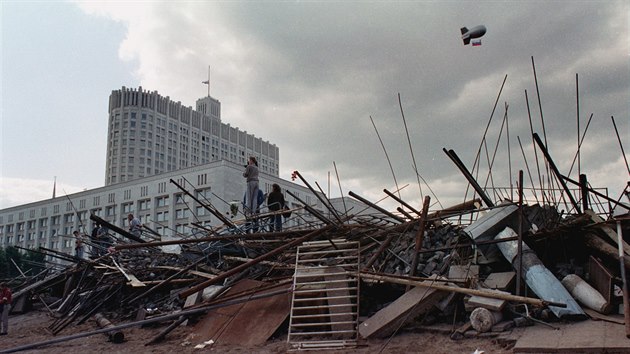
[149, 134]
[158, 203]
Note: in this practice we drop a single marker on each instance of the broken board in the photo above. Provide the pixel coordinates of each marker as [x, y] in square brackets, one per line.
[406, 308]
[246, 324]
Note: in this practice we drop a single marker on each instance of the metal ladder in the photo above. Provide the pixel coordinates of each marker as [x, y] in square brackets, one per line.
[325, 298]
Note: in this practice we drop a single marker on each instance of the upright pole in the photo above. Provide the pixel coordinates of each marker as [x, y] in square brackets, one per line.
[626, 305]
[584, 189]
[519, 268]
[419, 237]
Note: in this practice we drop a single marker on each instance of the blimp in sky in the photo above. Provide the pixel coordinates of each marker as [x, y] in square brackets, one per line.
[475, 32]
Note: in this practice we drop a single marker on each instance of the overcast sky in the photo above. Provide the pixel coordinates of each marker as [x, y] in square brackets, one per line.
[308, 75]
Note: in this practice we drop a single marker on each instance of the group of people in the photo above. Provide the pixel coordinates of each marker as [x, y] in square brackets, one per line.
[100, 239]
[254, 196]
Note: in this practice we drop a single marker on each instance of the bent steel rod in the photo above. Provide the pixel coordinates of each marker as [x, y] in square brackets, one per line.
[553, 167]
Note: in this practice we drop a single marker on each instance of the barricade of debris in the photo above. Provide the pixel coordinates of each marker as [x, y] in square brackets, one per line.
[350, 278]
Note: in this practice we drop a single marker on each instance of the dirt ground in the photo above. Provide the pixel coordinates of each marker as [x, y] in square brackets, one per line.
[32, 327]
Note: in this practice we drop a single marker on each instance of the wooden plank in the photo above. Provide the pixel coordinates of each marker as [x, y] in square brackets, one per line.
[487, 303]
[405, 309]
[500, 281]
[600, 278]
[463, 272]
[596, 316]
[246, 324]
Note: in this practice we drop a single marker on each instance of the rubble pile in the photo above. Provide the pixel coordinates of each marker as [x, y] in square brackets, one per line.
[467, 270]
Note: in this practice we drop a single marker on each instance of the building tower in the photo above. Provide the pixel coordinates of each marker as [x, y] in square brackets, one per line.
[149, 134]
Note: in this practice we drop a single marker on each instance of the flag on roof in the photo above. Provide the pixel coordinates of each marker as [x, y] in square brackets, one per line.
[207, 82]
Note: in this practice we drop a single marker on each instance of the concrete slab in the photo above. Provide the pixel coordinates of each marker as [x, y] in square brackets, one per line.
[578, 337]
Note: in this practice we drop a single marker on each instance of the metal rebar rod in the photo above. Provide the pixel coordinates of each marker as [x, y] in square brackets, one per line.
[386, 155]
[542, 119]
[321, 199]
[577, 109]
[507, 135]
[580, 144]
[310, 209]
[531, 131]
[413, 158]
[343, 200]
[552, 165]
[519, 251]
[219, 216]
[623, 154]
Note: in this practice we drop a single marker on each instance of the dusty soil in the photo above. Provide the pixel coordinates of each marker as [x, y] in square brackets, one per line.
[32, 327]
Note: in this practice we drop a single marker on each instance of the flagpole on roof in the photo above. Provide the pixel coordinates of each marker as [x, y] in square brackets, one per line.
[54, 187]
[207, 82]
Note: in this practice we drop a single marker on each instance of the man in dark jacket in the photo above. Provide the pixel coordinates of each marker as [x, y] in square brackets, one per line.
[5, 308]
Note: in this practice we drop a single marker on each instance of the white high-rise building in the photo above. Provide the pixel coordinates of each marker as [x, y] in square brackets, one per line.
[153, 142]
[149, 134]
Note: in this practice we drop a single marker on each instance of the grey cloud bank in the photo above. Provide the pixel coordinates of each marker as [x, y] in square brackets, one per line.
[308, 77]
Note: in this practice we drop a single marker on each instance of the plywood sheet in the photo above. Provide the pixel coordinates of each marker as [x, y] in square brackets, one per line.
[245, 324]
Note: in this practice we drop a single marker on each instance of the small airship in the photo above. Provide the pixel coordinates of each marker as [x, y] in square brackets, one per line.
[475, 32]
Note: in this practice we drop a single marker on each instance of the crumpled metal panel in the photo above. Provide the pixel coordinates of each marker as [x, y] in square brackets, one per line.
[544, 284]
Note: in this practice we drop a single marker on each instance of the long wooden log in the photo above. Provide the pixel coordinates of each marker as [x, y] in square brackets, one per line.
[626, 302]
[116, 335]
[214, 238]
[490, 294]
[603, 248]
